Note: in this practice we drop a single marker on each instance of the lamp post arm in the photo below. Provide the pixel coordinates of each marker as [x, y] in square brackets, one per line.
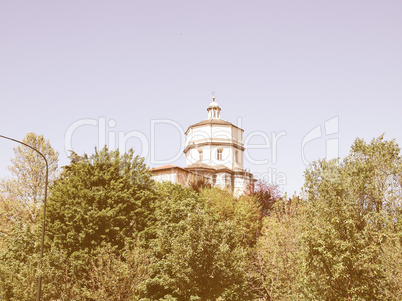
[43, 156]
[44, 211]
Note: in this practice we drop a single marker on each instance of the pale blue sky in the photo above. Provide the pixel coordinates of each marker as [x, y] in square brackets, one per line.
[282, 66]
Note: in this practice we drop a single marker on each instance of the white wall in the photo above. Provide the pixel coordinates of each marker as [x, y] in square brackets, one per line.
[227, 134]
[193, 155]
[240, 184]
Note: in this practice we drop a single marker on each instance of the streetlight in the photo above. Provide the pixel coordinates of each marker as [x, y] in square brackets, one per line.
[44, 211]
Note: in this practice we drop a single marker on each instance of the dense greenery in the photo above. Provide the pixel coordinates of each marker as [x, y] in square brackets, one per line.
[198, 255]
[98, 199]
[114, 234]
[353, 216]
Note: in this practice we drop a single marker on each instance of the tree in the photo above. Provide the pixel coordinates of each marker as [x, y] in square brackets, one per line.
[199, 183]
[118, 277]
[198, 256]
[265, 194]
[22, 195]
[99, 200]
[276, 262]
[18, 264]
[243, 210]
[350, 219]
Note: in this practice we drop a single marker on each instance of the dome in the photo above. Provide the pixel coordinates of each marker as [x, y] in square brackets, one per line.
[213, 104]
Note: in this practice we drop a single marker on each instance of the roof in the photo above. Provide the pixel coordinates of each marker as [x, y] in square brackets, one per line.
[169, 166]
[221, 166]
[213, 104]
[201, 165]
[198, 165]
[213, 121]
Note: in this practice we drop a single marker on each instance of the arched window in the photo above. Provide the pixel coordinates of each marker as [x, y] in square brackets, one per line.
[219, 154]
[200, 155]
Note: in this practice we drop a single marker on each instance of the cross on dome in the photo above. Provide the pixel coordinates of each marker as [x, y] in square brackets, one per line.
[213, 96]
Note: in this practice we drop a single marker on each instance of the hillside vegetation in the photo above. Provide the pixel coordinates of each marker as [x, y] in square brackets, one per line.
[112, 233]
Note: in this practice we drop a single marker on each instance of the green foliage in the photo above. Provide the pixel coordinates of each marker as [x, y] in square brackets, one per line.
[113, 234]
[21, 198]
[111, 275]
[105, 198]
[276, 260]
[243, 211]
[351, 214]
[101, 201]
[21, 195]
[222, 201]
[60, 279]
[18, 265]
[118, 277]
[198, 256]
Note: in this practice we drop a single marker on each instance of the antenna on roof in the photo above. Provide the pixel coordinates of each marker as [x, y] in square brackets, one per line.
[213, 95]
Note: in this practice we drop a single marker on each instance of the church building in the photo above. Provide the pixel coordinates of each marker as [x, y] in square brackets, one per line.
[214, 151]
